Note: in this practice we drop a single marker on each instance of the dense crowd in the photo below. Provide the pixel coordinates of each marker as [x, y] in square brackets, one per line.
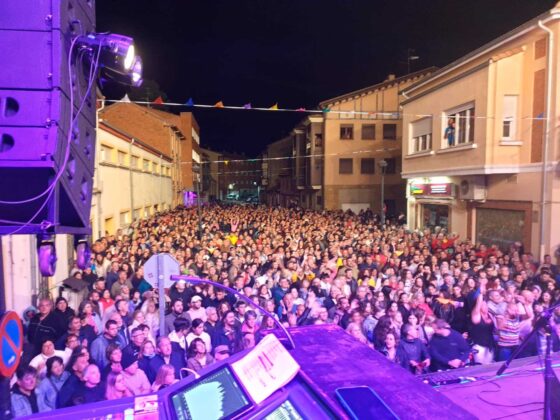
[427, 300]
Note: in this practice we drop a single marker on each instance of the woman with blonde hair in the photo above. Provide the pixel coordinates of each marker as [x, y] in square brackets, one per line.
[116, 388]
[165, 377]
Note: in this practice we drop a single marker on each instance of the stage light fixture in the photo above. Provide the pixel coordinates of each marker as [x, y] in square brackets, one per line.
[117, 57]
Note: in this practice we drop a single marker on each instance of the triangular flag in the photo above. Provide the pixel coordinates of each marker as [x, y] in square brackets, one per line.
[247, 106]
[190, 102]
[326, 109]
[158, 100]
[275, 106]
[301, 109]
[219, 104]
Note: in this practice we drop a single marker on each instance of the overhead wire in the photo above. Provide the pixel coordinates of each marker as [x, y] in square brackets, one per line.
[391, 115]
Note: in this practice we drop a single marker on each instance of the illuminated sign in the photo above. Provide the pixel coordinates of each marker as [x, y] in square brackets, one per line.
[437, 190]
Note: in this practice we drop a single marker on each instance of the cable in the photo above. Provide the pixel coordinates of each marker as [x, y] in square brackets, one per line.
[319, 155]
[498, 404]
[390, 115]
[93, 70]
[522, 412]
[49, 191]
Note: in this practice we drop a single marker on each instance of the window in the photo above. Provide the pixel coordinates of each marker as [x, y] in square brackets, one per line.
[318, 139]
[345, 166]
[121, 158]
[368, 132]
[389, 131]
[146, 165]
[124, 218]
[155, 168]
[460, 126]
[509, 117]
[367, 166]
[106, 153]
[346, 132]
[391, 166]
[421, 134]
[136, 214]
[134, 161]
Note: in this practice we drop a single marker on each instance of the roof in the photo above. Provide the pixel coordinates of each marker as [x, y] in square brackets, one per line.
[167, 117]
[384, 84]
[495, 43]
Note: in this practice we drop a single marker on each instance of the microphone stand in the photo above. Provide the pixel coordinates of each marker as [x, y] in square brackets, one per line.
[542, 322]
[196, 280]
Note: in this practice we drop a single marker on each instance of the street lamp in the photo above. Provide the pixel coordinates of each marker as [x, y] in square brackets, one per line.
[383, 166]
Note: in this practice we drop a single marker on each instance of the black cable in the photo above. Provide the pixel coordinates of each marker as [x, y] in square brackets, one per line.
[502, 405]
[509, 415]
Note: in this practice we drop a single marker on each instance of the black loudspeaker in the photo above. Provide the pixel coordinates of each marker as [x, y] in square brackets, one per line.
[35, 117]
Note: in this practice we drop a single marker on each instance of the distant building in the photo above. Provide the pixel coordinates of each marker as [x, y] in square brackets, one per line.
[492, 176]
[239, 176]
[279, 173]
[210, 174]
[364, 127]
[293, 167]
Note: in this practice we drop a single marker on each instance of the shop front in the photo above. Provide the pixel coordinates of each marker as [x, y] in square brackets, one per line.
[430, 203]
[435, 215]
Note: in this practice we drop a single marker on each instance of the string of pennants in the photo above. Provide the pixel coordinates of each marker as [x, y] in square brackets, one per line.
[348, 113]
[248, 106]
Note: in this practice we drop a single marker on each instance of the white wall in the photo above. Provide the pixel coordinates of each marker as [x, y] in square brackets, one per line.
[149, 187]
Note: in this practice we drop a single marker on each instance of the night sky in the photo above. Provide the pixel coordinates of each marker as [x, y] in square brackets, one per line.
[296, 53]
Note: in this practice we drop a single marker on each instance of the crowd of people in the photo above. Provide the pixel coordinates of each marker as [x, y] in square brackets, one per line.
[428, 300]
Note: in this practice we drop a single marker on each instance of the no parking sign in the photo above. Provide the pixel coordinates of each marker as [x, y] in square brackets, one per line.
[11, 343]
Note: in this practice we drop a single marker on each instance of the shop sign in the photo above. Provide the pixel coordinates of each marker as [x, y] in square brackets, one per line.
[432, 190]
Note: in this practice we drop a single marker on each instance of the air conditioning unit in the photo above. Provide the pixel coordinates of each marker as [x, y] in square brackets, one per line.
[473, 188]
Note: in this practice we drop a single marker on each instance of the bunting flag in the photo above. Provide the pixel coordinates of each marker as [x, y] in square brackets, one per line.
[248, 106]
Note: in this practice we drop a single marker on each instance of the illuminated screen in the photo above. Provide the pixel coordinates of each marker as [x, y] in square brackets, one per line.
[286, 411]
[215, 396]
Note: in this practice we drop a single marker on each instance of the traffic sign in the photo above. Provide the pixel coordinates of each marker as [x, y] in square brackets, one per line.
[11, 343]
[168, 266]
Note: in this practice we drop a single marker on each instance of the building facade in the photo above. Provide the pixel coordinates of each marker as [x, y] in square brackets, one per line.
[360, 129]
[480, 142]
[309, 161]
[177, 136]
[132, 181]
[239, 176]
[210, 174]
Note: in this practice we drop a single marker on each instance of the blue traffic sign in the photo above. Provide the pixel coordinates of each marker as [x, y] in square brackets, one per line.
[11, 343]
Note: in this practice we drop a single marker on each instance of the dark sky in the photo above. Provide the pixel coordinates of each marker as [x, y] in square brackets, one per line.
[296, 52]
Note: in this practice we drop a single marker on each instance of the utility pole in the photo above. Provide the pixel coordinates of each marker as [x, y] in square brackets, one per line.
[383, 167]
[199, 209]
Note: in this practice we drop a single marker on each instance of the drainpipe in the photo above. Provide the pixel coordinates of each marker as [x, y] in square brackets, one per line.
[98, 172]
[130, 178]
[546, 140]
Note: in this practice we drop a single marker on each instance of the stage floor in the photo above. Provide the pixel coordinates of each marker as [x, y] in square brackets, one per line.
[516, 395]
